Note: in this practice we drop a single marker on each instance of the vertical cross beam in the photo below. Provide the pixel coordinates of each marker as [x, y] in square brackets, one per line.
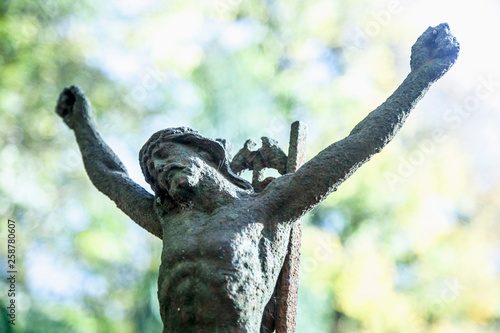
[288, 281]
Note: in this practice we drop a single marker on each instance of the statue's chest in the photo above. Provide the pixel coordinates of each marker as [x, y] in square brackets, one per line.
[230, 259]
[231, 239]
[194, 235]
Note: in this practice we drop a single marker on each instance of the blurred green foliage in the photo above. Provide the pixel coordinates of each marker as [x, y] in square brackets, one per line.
[409, 244]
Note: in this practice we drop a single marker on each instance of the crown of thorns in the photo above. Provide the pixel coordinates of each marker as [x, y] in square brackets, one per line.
[185, 135]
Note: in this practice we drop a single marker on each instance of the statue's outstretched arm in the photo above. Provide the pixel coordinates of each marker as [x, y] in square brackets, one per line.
[433, 54]
[104, 168]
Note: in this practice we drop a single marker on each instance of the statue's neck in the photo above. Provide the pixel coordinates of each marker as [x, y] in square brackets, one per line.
[209, 199]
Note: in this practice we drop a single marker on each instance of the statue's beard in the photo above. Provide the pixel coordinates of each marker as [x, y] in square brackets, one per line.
[182, 189]
[187, 187]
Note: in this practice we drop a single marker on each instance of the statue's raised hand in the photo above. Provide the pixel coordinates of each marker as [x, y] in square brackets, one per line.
[73, 107]
[436, 50]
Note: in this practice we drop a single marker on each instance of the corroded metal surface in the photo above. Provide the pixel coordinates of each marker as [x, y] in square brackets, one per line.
[288, 282]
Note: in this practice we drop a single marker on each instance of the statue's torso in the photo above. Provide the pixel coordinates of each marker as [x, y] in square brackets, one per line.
[218, 271]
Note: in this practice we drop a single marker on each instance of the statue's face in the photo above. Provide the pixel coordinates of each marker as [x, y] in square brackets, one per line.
[179, 169]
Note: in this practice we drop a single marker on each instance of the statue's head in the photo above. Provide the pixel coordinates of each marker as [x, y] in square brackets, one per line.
[173, 161]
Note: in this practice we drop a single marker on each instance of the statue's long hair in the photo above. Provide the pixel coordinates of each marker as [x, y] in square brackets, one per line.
[187, 136]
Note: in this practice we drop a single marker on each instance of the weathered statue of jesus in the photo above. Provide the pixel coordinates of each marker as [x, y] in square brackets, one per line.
[224, 243]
